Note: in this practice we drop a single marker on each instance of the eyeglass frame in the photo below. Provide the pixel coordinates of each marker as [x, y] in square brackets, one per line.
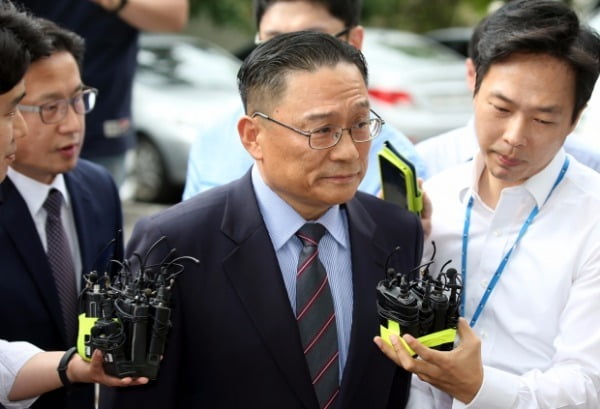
[70, 102]
[339, 34]
[308, 134]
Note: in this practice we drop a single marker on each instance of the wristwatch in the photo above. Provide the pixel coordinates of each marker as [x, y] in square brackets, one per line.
[63, 364]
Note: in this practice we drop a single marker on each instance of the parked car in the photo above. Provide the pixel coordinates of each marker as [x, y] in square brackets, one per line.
[587, 130]
[416, 84]
[180, 85]
[456, 38]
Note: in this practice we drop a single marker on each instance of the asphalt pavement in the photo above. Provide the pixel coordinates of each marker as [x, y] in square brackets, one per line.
[134, 210]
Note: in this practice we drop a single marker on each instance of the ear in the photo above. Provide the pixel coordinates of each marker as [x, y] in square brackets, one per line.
[577, 118]
[471, 73]
[356, 36]
[249, 131]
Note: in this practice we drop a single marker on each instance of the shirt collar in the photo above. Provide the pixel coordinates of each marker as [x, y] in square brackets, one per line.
[275, 210]
[538, 185]
[35, 193]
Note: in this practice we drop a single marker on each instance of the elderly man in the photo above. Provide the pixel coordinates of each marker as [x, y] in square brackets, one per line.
[281, 310]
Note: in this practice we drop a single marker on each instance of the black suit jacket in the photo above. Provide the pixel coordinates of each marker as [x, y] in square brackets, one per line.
[30, 305]
[235, 342]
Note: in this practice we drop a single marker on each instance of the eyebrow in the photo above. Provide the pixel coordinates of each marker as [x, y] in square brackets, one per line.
[549, 109]
[18, 99]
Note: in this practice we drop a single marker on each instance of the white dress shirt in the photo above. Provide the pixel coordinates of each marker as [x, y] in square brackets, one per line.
[540, 328]
[13, 356]
[35, 193]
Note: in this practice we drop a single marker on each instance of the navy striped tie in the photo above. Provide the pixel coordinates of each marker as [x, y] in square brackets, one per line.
[316, 317]
[61, 262]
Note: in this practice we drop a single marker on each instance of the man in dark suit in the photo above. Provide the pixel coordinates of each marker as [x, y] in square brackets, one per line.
[239, 332]
[46, 161]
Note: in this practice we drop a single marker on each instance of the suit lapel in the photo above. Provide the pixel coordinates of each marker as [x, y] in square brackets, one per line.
[19, 225]
[367, 271]
[81, 202]
[254, 272]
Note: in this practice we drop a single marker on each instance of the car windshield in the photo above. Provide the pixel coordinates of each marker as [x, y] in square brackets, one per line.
[186, 64]
[407, 45]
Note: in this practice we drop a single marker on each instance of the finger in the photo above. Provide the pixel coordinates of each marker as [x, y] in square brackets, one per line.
[424, 352]
[401, 355]
[465, 332]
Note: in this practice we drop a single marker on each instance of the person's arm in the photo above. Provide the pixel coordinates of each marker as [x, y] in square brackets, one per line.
[150, 15]
[39, 375]
[571, 379]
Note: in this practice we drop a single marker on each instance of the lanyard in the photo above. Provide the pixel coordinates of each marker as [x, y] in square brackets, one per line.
[500, 269]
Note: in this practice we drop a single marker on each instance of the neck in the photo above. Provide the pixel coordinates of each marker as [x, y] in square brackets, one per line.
[490, 188]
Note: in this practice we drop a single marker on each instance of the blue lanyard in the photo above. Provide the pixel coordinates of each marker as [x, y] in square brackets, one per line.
[500, 269]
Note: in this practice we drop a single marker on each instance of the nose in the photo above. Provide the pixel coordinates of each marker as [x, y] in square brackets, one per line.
[346, 148]
[516, 131]
[19, 125]
[72, 122]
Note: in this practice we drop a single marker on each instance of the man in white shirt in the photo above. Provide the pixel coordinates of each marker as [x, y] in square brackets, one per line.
[522, 224]
[460, 145]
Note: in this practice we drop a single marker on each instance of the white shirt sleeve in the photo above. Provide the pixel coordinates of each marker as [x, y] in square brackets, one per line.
[13, 356]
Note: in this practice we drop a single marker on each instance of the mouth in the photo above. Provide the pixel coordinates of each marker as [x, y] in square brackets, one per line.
[343, 177]
[508, 161]
[10, 157]
[69, 150]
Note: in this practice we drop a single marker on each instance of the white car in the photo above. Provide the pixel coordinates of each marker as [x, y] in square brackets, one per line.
[587, 133]
[415, 83]
[181, 84]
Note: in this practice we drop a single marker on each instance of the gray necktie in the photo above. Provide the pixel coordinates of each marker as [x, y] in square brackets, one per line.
[316, 317]
[61, 262]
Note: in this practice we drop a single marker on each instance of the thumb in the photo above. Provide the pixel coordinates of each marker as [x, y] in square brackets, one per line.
[465, 332]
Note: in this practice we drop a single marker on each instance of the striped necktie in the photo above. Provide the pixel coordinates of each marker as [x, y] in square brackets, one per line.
[61, 262]
[316, 317]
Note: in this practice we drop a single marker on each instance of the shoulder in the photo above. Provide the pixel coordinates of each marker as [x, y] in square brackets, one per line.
[205, 208]
[384, 213]
[436, 143]
[87, 170]
[585, 180]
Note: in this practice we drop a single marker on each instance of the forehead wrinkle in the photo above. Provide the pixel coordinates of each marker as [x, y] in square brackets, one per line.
[326, 114]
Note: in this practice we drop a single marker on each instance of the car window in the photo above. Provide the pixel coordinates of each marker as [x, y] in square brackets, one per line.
[411, 46]
[187, 64]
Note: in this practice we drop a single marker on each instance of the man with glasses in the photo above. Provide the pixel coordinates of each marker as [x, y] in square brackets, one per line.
[217, 157]
[57, 212]
[251, 329]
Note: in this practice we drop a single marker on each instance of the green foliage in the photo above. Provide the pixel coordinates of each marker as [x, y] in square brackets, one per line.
[422, 15]
[237, 13]
[414, 15]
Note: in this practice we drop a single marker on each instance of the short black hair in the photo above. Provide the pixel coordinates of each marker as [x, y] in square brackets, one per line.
[473, 47]
[541, 27]
[262, 76]
[20, 37]
[60, 39]
[346, 10]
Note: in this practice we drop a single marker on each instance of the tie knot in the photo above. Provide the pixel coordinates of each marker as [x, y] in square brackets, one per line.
[53, 202]
[311, 233]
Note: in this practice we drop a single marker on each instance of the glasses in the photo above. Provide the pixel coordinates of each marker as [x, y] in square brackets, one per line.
[328, 136]
[339, 34]
[55, 111]
[342, 33]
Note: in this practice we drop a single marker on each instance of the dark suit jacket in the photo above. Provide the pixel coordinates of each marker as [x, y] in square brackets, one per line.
[235, 342]
[30, 305]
